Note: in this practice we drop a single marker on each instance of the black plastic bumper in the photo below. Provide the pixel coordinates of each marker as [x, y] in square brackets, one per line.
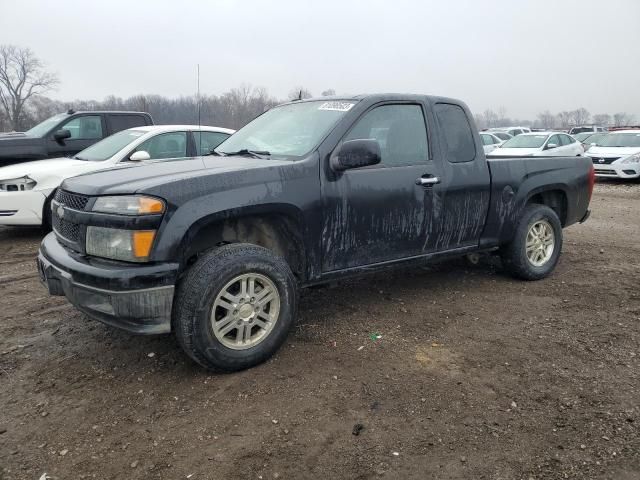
[136, 298]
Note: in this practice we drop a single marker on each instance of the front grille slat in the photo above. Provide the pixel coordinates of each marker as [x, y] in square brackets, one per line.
[604, 160]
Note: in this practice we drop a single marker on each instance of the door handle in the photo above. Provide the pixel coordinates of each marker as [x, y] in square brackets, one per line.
[427, 180]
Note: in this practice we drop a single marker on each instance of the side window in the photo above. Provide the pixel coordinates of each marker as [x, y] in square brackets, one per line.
[166, 145]
[84, 128]
[554, 139]
[568, 140]
[457, 133]
[207, 141]
[399, 129]
[486, 139]
[123, 122]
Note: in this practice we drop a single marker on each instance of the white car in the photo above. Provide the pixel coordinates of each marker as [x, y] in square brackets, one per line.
[26, 189]
[617, 155]
[540, 144]
[513, 131]
[490, 141]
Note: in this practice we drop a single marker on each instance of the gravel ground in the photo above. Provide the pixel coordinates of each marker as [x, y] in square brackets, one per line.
[475, 375]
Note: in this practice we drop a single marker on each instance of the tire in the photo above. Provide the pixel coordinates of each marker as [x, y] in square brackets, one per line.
[194, 315]
[514, 255]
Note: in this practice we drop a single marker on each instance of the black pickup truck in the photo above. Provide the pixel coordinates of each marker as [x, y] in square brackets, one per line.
[215, 248]
[66, 134]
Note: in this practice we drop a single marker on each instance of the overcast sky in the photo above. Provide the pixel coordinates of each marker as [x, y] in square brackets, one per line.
[526, 55]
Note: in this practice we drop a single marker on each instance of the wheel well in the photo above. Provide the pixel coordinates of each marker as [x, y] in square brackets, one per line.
[280, 233]
[554, 199]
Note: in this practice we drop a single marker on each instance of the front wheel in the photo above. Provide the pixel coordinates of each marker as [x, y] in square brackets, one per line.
[535, 249]
[235, 307]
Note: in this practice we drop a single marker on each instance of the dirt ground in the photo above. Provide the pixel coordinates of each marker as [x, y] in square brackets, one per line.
[475, 376]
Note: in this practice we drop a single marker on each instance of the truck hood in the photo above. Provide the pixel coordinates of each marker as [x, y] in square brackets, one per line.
[14, 139]
[612, 151]
[133, 178]
[12, 135]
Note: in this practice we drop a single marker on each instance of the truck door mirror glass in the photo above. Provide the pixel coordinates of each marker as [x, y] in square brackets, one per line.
[61, 135]
[551, 145]
[356, 153]
[140, 156]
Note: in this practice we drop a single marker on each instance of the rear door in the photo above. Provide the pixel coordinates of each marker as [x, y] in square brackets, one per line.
[387, 211]
[85, 131]
[466, 181]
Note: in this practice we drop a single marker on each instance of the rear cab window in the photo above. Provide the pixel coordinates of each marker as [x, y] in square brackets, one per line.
[456, 131]
[123, 121]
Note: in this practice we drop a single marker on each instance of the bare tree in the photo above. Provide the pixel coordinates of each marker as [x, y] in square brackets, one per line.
[546, 119]
[621, 119]
[22, 76]
[580, 116]
[299, 93]
[602, 119]
[490, 118]
[564, 119]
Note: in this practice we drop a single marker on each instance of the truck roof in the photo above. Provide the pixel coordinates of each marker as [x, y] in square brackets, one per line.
[378, 97]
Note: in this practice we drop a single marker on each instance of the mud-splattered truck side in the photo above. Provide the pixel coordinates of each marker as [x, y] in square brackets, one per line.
[215, 248]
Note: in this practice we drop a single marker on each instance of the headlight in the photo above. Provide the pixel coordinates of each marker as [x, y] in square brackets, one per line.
[126, 245]
[17, 184]
[635, 158]
[131, 205]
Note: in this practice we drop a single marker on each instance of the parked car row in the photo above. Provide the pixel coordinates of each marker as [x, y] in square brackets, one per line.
[26, 189]
[539, 144]
[615, 154]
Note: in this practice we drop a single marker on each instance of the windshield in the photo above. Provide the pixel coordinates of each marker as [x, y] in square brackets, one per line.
[620, 140]
[591, 138]
[525, 141]
[581, 136]
[292, 130]
[43, 128]
[502, 135]
[108, 147]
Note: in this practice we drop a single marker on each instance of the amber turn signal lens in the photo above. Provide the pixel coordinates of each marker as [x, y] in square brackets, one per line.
[142, 242]
[150, 205]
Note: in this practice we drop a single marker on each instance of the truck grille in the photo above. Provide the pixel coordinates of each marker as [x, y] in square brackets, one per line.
[67, 230]
[71, 200]
[604, 160]
[70, 232]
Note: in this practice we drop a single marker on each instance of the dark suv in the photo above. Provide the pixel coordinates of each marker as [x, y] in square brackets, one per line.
[66, 134]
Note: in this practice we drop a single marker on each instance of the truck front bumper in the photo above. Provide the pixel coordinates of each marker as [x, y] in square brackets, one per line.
[136, 298]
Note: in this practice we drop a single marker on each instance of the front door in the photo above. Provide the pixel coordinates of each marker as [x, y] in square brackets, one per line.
[85, 131]
[382, 212]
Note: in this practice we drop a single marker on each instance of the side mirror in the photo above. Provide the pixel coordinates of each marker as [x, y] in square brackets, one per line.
[61, 135]
[356, 153]
[140, 156]
[551, 145]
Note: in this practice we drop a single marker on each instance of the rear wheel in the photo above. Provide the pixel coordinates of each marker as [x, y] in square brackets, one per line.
[235, 307]
[535, 249]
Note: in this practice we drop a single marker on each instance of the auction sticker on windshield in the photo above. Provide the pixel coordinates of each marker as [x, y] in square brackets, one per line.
[336, 106]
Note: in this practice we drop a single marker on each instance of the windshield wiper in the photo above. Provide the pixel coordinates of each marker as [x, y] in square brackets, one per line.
[245, 151]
